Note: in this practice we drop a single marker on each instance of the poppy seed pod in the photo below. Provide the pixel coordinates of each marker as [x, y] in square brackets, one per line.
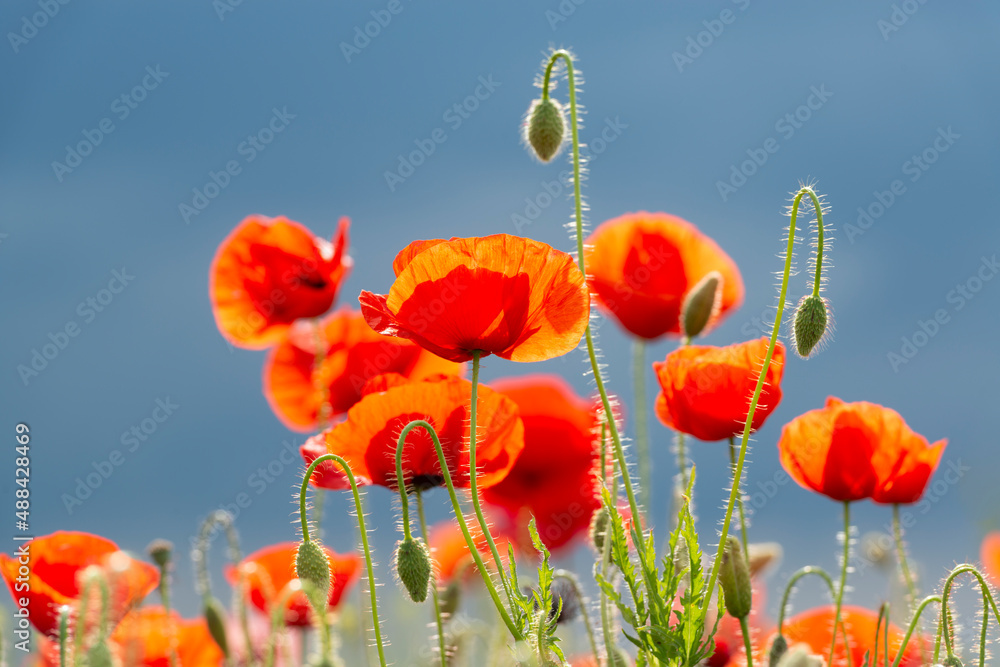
[161, 552]
[413, 565]
[313, 565]
[599, 528]
[735, 579]
[215, 620]
[810, 324]
[952, 661]
[701, 304]
[545, 128]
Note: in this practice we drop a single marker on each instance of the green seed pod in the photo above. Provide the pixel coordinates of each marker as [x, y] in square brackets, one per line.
[734, 576]
[545, 128]
[599, 527]
[99, 655]
[779, 647]
[215, 619]
[413, 565]
[810, 324]
[313, 565]
[701, 304]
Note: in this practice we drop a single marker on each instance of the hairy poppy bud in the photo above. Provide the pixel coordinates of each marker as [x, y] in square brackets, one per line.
[735, 579]
[800, 656]
[161, 551]
[413, 565]
[313, 565]
[779, 647]
[545, 128]
[599, 527]
[701, 304]
[952, 661]
[216, 621]
[810, 324]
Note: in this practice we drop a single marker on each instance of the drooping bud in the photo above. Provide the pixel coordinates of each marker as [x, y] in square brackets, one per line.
[801, 655]
[701, 304]
[599, 524]
[779, 647]
[413, 565]
[313, 565]
[545, 128]
[734, 576]
[161, 551]
[810, 324]
[215, 619]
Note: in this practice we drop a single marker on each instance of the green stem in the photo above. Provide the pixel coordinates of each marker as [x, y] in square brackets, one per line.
[609, 642]
[738, 475]
[913, 626]
[946, 622]
[790, 586]
[817, 279]
[901, 557]
[846, 557]
[463, 524]
[439, 622]
[739, 501]
[745, 629]
[203, 584]
[401, 485]
[641, 425]
[64, 613]
[359, 506]
[569, 577]
[682, 461]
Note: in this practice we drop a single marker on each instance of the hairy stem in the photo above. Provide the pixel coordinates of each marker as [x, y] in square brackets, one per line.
[641, 425]
[845, 562]
[739, 501]
[745, 629]
[438, 621]
[904, 566]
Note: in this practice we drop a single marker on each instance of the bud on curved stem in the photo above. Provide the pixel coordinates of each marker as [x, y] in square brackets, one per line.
[359, 506]
[811, 322]
[545, 127]
[203, 585]
[413, 565]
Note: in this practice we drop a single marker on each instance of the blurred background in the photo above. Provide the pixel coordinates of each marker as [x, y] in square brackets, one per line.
[119, 120]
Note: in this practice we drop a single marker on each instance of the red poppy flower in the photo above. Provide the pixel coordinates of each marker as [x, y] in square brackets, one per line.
[513, 297]
[54, 563]
[147, 637]
[852, 451]
[706, 390]
[450, 551]
[814, 628]
[353, 355]
[368, 438]
[270, 272]
[990, 555]
[640, 266]
[555, 479]
[268, 571]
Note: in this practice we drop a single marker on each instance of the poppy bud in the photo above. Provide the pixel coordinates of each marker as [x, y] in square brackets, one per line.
[701, 304]
[450, 598]
[545, 128]
[952, 661]
[599, 528]
[800, 656]
[215, 620]
[779, 647]
[413, 565]
[735, 579]
[313, 565]
[810, 324]
[161, 552]
[99, 655]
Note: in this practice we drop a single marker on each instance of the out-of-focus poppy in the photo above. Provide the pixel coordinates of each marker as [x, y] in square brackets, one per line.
[270, 272]
[852, 451]
[54, 563]
[555, 479]
[505, 295]
[266, 572]
[353, 355]
[149, 635]
[989, 553]
[814, 628]
[640, 266]
[450, 551]
[706, 390]
[368, 438]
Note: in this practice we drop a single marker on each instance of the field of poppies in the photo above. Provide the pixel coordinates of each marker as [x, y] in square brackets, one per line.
[385, 391]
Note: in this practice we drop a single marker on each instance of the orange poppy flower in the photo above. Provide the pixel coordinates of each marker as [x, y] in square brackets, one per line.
[147, 637]
[354, 354]
[555, 478]
[54, 563]
[513, 297]
[706, 390]
[852, 451]
[368, 438]
[270, 272]
[990, 555]
[640, 266]
[268, 571]
[814, 628]
[450, 551]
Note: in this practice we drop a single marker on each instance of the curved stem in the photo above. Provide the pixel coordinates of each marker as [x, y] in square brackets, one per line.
[988, 603]
[817, 279]
[569, 577]
[359, 506]
[738, 475]
[641, 425]
[745, 630]
[845, 561]
[404, 502]
[739, 501]
[442, 648]
[913, 626]
[463, 524]
[819, 572]
[223, 519]
[901, 557]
